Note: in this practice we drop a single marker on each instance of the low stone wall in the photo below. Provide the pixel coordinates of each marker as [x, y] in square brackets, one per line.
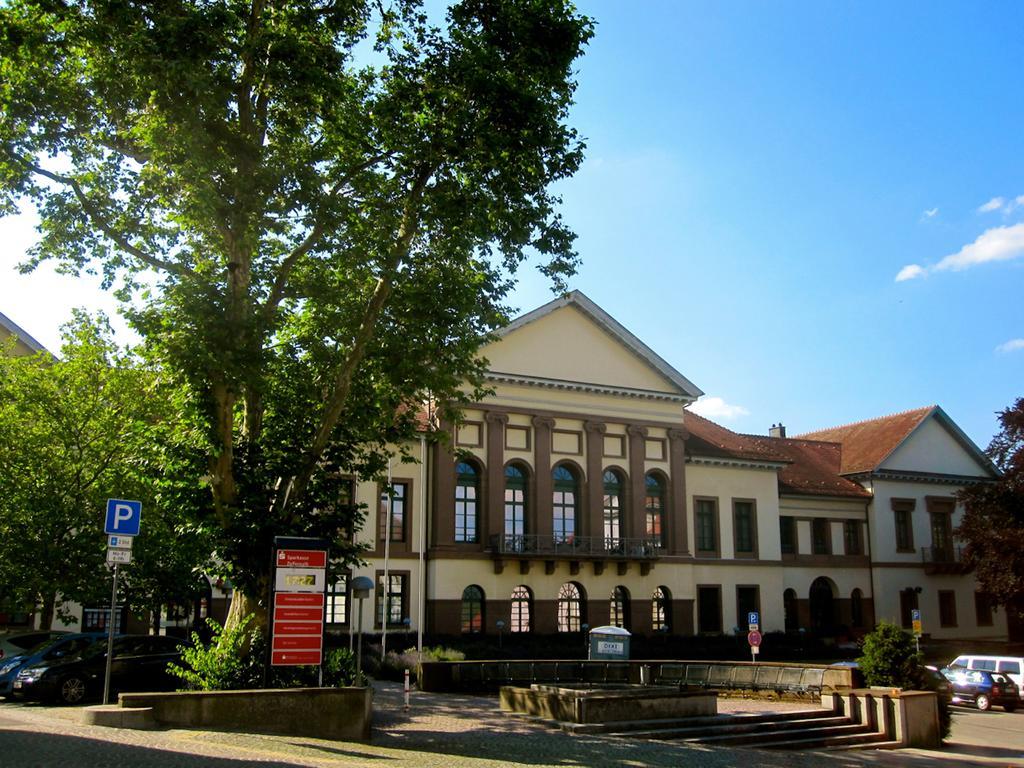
[750, 678]
[343, 714]
[575, 705]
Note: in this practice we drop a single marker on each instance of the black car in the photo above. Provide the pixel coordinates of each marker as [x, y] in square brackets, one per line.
[139, 664]
[982, 689]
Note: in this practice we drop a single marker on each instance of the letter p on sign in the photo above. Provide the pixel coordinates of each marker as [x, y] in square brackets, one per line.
[123, 517]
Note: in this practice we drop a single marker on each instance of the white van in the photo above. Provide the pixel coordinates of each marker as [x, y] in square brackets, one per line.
[1011, 666]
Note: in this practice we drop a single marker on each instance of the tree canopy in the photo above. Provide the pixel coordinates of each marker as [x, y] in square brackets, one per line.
[993, 521]
[74, 432]
[319, 208]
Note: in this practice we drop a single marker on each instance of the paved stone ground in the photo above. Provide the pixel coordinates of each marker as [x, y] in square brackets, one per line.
[448, 731]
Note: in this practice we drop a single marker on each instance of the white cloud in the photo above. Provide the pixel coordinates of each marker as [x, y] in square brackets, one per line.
[909, 272]
[1013, 345]
[931, 213]
[995, 244]
[1002, 204]
[717, 408]
[992, 205]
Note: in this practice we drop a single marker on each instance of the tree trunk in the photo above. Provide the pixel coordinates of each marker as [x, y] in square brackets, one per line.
[243, 605]
[46, 609]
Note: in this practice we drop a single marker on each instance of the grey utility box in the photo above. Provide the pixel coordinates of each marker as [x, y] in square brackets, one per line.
[609, 644]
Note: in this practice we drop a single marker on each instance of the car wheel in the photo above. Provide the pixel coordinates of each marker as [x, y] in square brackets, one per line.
[72, 690]
[983, 702]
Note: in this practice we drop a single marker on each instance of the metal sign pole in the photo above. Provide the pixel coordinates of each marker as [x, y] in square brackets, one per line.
[110, 638]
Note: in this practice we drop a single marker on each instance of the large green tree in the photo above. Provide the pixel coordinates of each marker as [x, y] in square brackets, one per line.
[321, 205]
[993, 521]
[74, 432]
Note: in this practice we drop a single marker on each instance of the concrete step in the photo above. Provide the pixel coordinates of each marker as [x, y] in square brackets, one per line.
[799, 738]
[632, 727]
[836, 742]
[736, 725]
[113, 716]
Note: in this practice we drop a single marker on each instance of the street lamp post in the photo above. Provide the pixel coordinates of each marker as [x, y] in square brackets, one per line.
[361, 586]
[501, 630]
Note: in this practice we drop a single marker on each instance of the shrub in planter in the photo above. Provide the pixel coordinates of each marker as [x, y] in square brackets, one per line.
[232, 660]
[889, 657]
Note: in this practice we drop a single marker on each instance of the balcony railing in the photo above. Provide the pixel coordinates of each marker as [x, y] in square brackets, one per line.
[535, 545]
[944, 559]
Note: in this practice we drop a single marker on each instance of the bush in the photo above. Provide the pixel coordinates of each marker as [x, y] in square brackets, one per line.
[231, 661]
[890, 658]
[394, 664]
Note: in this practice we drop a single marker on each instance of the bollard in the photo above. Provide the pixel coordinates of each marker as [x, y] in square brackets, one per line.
[407, 690]
[645, 674]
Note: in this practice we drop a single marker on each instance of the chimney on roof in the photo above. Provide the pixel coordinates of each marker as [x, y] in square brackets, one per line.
[777, 430]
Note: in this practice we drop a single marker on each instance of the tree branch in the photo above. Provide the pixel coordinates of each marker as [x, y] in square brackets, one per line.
[106, 228]
[311, 239]
[342, 385]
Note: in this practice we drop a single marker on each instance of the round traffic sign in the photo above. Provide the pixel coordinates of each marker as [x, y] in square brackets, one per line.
[754, 638]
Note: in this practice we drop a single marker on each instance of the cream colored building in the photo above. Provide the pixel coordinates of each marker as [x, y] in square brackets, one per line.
[583, 492]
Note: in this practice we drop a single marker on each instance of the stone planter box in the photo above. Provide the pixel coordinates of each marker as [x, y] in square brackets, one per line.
[342, 714]
[570, 704]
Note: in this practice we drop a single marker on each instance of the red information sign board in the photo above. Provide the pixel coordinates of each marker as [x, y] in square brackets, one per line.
[754, 639]
[290, 658]
[297, 627]
[304, 643]
[301, 558]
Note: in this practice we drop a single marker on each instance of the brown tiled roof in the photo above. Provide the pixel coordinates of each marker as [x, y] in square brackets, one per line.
[866, 444]
[814, 468]
[811, 466]
[710, 439]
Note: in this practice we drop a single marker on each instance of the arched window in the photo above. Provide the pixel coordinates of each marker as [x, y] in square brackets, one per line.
[515, 508]
[857, 608]
[564, 504]
[661, 607]
[619, 608]
[790, 608]
[467, 494]
[472, 610]
[654, 504]
[570, 607]
[522, 609]
[612, 506]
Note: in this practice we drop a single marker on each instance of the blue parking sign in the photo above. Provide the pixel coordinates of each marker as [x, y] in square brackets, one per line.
[123, 517]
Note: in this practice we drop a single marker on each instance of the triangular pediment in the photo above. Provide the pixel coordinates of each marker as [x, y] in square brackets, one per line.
[937, 445]
[571, 340]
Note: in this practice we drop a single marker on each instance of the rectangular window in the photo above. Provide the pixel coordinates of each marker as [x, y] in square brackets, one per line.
[394, 504]
[96, 619]
[709, 610]
[787, 535]
[982, 609]
[744, 522]
[706, 521]
[947, 608]
[337, 601]
[852, 544]
[747, 599]
[465, 512]
[821, 536]
[397, 598]
[902, 511]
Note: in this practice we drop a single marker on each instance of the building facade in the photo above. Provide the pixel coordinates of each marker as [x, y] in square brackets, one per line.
[583, 492]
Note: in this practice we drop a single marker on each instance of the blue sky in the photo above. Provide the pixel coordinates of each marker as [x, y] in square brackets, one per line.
[757, 177]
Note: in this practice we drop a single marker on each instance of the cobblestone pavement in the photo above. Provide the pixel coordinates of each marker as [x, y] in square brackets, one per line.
[449, 731]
